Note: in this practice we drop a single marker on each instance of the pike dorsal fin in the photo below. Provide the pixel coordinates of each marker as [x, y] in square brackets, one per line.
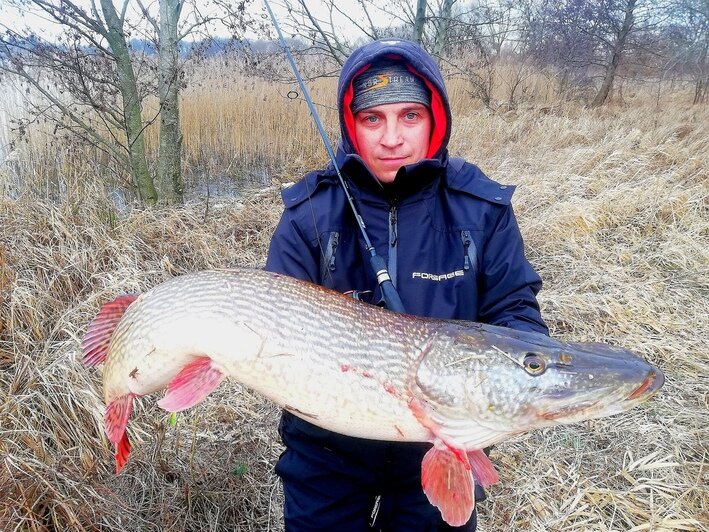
[98, 335]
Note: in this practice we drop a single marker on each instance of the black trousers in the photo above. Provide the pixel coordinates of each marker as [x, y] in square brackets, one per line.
[338, 483]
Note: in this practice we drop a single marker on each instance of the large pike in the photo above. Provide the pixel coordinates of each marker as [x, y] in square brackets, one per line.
[356, 369]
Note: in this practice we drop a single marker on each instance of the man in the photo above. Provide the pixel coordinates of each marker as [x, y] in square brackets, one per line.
[453, 250]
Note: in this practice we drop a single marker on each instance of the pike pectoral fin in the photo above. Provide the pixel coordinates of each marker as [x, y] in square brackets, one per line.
[448, 483]
[193, 384]
[98, 335]
[115, 420]
[483, 470]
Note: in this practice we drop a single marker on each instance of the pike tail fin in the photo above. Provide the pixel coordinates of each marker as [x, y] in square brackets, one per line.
[193, 384]
[448, 483]
[115, 419]
[98, 335]
[483, 470]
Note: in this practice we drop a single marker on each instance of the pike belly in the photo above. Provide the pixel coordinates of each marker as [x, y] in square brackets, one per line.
[344, 401]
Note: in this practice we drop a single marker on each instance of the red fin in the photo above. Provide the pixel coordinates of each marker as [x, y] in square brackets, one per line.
[122, 452]
[196, 381]
[115, 418]
[484, 472]
[448, 484]
[98, 335]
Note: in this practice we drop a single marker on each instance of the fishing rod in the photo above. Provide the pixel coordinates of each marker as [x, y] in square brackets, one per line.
[389, 293]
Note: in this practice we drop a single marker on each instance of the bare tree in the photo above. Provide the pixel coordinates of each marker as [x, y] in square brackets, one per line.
[95, 68]
[321, 30]
[596, 38]
[92, 65]
[442, 25]
[419, 21]
[169, 177]
[618, 45]
[687, 37]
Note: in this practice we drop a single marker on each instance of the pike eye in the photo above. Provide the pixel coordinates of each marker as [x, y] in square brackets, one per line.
[534, 364]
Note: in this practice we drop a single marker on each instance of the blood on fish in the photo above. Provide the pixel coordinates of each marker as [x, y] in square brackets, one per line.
[389, 388]
[346, 367]
[460, 454]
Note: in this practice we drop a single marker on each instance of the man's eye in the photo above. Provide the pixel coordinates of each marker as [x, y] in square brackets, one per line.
[371, 119]
[411, 115]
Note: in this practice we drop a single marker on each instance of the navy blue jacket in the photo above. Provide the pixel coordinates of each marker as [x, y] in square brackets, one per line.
[448, 235]
[448, 232]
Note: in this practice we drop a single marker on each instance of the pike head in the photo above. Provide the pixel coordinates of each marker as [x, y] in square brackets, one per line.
[478, 384]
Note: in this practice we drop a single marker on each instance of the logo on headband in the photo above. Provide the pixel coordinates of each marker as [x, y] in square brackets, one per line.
[375, 82]
[382, 80]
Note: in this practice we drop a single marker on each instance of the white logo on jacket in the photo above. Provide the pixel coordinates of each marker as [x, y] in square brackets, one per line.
[437, 277]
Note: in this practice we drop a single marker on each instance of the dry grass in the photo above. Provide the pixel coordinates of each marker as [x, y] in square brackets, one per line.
[59, 263]
[613, 207]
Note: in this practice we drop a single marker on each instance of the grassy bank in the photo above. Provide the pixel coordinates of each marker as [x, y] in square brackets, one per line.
[613, 207]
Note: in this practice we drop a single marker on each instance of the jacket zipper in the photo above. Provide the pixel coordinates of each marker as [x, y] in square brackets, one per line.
[393, 237]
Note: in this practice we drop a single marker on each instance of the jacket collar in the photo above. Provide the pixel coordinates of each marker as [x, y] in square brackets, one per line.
[411, 180]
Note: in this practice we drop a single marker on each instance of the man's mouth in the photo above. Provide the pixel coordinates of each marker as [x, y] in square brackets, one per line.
[393, 160]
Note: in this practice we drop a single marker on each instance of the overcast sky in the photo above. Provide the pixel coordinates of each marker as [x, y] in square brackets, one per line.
[18, 19]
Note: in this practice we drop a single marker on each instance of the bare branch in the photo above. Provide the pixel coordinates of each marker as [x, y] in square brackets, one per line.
[148, 16]
[334, 48]
[66, 110]
[122, 16]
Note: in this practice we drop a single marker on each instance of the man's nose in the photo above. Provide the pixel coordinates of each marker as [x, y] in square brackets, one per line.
[392, 135]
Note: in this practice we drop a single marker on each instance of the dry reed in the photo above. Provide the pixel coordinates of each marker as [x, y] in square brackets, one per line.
[613, 207]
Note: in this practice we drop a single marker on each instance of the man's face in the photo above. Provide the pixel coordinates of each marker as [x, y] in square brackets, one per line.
[392, 135]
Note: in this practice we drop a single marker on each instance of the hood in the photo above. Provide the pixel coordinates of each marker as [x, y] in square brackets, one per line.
[421, 64]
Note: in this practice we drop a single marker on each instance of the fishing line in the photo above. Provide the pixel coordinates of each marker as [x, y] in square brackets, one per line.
[389, 293]
[295, 95]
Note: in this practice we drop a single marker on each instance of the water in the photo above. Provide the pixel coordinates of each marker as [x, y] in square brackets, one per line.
[225, 186]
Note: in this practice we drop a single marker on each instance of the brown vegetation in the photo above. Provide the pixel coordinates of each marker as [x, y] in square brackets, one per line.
[613, 207]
